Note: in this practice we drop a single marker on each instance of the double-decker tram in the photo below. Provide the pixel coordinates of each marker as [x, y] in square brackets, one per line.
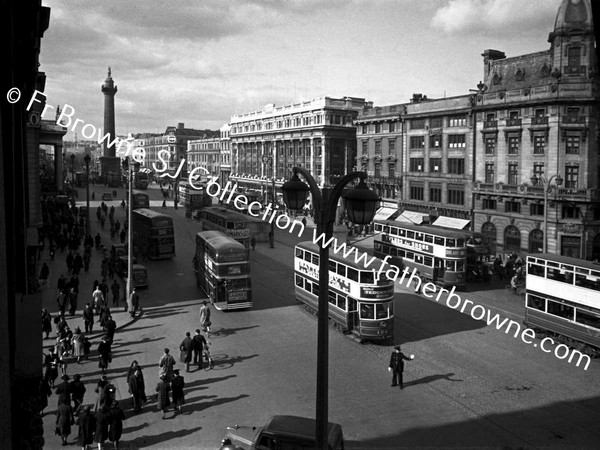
[194, 196]
[222, 268]
[140, 200]
[141, 179]
[438, 254]
[229, 222]
[358, 302]
[153, 234]
[563, 298]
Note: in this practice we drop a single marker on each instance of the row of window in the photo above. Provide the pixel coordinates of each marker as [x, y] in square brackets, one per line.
[449, 265]
[566, 274]
[365, 276]
[459, 120]
[566, 310]
[436, 141]
[455, 195]
[317, 119]
[391, 145]
[455, 166]
[572, 144]
[419, 236]
[571, 179]
[535, 209]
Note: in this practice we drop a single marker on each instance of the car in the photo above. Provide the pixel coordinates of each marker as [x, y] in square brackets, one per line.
[117, 250]
[107, 196]
[121, 265]
[281, 432]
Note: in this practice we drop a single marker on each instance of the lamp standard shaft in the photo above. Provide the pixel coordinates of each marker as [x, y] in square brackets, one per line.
[87, 195]
[129, 233]
[546, 187]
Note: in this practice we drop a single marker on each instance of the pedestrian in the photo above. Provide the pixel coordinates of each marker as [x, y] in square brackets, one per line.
[102, 382]
[45, 392]
[52, 251]
[397, 366]
[205, 322]
[133, 303]
[111, 327]
[61, 301]
[304, 221]
[116, 416]
[88, 318]
[97, 299]
[69, 261]
[64, 420]
[44, 272]
[137, 386]
[115, 288]
[123, 203]
[102, 421]
[104, 315]
[62, 282]
[164, 204]
[186, 349]
[105, 353]
[166, 364]
[198, 344]
[77, 389]
[97, 241]
[123, 235]
[104, 288]
[51, 367]
[162, 398]
[87, 426]
[253, 242]
[177, 386]
[72, 301]
[78, 348]
[86, 261]
[63, 391]
[46, 323]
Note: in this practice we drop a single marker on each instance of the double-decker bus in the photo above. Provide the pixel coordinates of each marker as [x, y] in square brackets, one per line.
[438, 254]
[153, 234]
[140, 200]
[358, 302]
[222, 268]
[194, 197]
[562, 297]
[141, 179]
[229, 222]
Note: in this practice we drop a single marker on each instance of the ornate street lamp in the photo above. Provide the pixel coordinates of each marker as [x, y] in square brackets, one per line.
[546, 184]
[87, 160]
[361, 204]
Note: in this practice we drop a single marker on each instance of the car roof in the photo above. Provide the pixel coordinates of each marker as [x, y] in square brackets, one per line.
[300, 427]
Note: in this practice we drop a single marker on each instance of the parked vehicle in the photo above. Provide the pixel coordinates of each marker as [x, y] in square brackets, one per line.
[281, 432]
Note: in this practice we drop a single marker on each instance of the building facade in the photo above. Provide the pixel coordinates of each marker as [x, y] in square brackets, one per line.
[225, 154]
[318, 135]
[205, 153]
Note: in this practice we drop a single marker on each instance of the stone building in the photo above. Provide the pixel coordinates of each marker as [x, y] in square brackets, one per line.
[318, 135]
[205, 153]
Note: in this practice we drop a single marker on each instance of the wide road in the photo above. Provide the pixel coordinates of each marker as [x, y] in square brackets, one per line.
[470, 385]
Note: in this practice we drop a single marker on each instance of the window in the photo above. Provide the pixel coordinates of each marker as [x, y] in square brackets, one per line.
[574, 56]
[457, 121]
[436, 122]
[572, 176]
[391, 146]
[538, 171]
[539, 144]
[364, 129]
[435, 164]
[512, 207]
[513, 173]
[417, 141]
[365, 147]
[391, 170]
[490, 145]
[435, 193]
[489, 204]
[377, 170]
[416, 164]
[536, 209]
[513, 145]
[489, 172]
[456, 195]
[560, 310]
[540, 113]
[456, 166]
[570, 212]
[378, 147]
[513, 115]
[416, 191]
[457, 141]
[377, 128]
[417, 124]
[392, 127]
[435, 141]
[572, 145]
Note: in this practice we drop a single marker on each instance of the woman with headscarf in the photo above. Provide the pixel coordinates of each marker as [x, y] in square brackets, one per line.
[64, 420]
[116, 416]
[137, 386]
[87, 427]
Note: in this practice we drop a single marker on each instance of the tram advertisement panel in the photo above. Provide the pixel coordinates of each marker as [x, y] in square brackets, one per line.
[376, 292]
[405, 243]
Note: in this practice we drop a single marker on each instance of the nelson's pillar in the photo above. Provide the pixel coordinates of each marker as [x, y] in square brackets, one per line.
[110, 165]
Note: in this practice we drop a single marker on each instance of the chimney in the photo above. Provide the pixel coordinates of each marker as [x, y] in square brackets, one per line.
[180, 126]
[491, 55]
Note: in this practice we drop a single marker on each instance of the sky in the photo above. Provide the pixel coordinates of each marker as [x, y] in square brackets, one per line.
[201, 61]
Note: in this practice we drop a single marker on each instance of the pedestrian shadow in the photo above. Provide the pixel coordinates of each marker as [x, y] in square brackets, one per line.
[139, 328]
[146, 441]
[144, 340]
[201, 384]
[196, 404]
[226, 332]
[136, 428]
[432, 378]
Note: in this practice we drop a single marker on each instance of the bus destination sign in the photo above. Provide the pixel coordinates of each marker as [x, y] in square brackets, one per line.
[239, 234]
[377, 291]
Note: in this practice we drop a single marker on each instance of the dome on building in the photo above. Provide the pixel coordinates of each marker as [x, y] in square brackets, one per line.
[574, 14]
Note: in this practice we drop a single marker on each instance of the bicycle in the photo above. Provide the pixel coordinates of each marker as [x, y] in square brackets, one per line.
[206, 353]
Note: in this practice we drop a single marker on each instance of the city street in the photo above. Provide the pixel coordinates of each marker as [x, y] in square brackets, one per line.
[469, 385]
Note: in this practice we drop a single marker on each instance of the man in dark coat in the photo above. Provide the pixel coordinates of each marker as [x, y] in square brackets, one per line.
[116, 416]
[115, 288]
[177, 386]
[87, 427]
[137, 387]
[111, 327]
[63, 390]
[77, 389]
[88, 317]
[162, 398]
[105, 354]
[186, 348]
[64, 419]
[198, 344]
[397, 366]
[101, 433]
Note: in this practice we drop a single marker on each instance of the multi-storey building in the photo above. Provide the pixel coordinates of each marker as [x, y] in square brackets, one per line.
[537, 165]
[205, 153]
[516, 159]
[318, 135]
[225, 154]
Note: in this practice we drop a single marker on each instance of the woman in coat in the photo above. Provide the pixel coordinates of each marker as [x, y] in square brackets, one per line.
[46, 323]
[116, 416]
[177, 386]
[162, 398]
[87, 427]
[137, 387]
[64, 420]
[105, 355]
[101, 426]
[77, 341]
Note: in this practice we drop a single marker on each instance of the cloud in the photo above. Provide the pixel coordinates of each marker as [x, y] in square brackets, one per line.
[473, 16]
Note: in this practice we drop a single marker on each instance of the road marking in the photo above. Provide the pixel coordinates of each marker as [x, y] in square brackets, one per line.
[180, 273]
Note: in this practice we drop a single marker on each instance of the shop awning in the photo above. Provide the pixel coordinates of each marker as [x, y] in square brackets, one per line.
[413, 217]
[451, 222]
[384, 213]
